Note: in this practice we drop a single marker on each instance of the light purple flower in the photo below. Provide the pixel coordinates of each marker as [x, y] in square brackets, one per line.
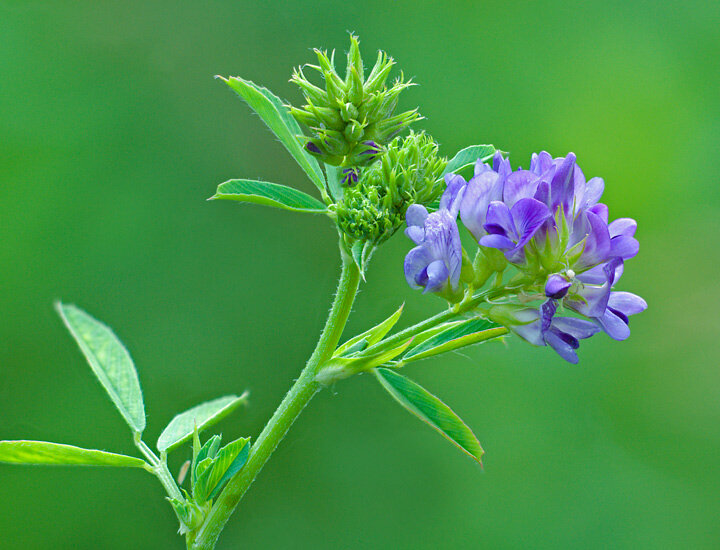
[614, 321]
[557, 286]
[590, 298]
[594, 298]
[562, 182]
[473, 197]
[540, 327]
[435, 263]
[510, 229]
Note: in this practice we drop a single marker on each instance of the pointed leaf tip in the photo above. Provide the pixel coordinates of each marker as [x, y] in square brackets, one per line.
[194, 420]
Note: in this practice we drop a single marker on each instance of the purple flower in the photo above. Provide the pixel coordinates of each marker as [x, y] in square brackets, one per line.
[436, 262]
[590, 298]
[540, 327]
[562, 182]
[557, 286]
[614, 321]
[609, 309]
[350, 176]
[472, 198]
[594, 298]
[623, 243]
[549, 223]
[510, 229]
[311, 147]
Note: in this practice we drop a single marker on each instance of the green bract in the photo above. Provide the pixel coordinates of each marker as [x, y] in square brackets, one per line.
[350, 115]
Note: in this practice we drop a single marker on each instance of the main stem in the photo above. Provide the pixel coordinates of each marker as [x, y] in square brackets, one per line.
[297, 398]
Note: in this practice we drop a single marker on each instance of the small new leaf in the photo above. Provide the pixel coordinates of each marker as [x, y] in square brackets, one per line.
[43, 452]
[268, 194]
[110, 362]
[278, 119]
[203, 416]
[467, 157]
[430, 410]
[228, 461]
[372, 336]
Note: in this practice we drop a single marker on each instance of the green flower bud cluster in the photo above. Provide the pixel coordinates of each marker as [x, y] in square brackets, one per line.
[408, 172]
[352, 118]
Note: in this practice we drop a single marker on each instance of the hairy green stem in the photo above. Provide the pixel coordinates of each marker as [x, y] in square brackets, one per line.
[290, 408]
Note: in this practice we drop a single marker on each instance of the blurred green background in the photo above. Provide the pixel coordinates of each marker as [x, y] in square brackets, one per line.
[112, 135]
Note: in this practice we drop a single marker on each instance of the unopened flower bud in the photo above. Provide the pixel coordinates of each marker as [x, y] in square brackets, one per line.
[358, 110]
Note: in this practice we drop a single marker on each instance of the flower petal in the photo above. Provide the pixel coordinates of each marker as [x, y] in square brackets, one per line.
[613, 325]
[562, 184]
[530, 332]
[556, 286]
[541, 163]
[519, 185]
[416, 261]
[497, 241]
[597, 243]
[600, 210]
[624, 247]
[597, 275]
[416, 215]
[452, 196]
[499, 220]
[563, 348]
[501, 165]
[528, 215]
[415, 234]
[593, 191]
[578, 328]
[627, 302]
[623, 226]
[437, 273]
[480, 191]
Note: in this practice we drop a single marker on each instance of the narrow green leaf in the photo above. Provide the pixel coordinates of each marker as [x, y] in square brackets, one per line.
[203, 416]
[333, 179]
[110, 362]
[43, 452]
[269, 194]
[469, 332]
[429, 333]
[229, 460]
[468, 156]
[280, 121]
[373, 335]
[430, 410]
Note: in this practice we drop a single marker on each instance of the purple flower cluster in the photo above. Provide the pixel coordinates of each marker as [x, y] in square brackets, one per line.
[548, 223]
[435, 263]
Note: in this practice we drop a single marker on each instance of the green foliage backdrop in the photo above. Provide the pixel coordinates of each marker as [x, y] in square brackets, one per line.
[112, 135]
